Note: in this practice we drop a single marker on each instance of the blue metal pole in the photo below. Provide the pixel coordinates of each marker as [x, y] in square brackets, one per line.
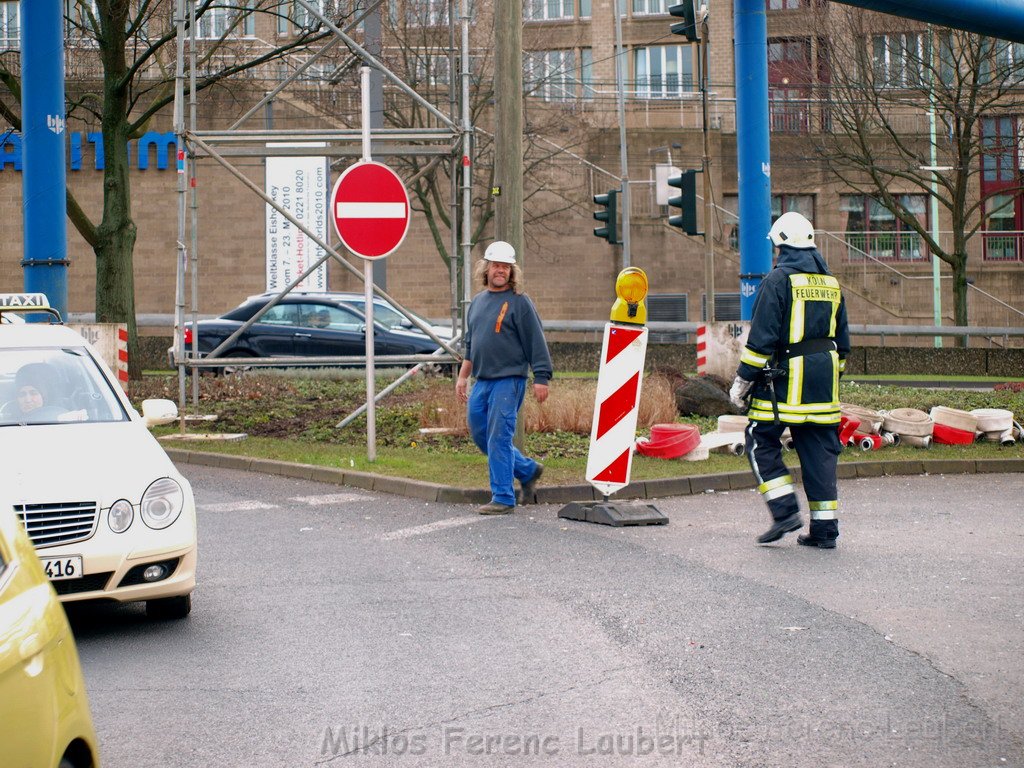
[1003, 19]
[753, 151]
[42, 127]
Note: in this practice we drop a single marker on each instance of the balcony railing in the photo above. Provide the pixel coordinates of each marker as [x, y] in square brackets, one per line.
[1003, 246]
[885, 246]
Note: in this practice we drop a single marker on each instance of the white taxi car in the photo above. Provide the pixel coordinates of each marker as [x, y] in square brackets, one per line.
[110, 516]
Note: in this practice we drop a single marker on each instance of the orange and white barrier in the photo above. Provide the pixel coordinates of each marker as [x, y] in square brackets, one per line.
[612, 435]
[702, 349]
[122, 357]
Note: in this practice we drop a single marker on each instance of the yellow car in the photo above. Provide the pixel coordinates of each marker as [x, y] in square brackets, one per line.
[44, 712]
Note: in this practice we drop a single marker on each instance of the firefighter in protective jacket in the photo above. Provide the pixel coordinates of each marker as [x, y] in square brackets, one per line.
[790, 369]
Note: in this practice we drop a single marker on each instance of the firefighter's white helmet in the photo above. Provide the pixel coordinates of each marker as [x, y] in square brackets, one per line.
[500, 251]
[793, 230]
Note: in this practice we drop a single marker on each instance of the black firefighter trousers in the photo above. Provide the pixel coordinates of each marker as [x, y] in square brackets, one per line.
[818, 449]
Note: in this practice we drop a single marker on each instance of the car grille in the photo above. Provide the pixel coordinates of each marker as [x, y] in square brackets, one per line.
[88, 583]
[48, 525]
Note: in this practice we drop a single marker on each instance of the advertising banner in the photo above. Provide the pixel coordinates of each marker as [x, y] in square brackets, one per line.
[299, 186]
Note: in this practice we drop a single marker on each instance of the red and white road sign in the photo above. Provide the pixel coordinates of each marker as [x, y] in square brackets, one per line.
[615, 409]
[370, 209]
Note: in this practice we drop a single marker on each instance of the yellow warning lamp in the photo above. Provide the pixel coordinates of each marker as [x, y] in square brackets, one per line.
[631, 288]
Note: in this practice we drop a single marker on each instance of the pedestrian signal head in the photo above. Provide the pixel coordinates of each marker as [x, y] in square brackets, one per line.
[793, 230]
[501, 252]
[631, 290]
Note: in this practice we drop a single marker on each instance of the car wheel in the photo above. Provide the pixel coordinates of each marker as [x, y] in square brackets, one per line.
[169, 607]
[237, 368]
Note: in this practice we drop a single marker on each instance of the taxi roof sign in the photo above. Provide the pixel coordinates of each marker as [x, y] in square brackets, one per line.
[24, 301]
[27, 302]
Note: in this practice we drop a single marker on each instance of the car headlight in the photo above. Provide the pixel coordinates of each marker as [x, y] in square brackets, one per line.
[120, 516]
[162, 503]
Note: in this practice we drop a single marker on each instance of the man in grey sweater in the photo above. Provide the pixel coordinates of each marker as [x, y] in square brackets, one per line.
[504, 341]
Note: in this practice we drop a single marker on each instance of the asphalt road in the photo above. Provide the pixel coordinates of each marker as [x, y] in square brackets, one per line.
[335, 625]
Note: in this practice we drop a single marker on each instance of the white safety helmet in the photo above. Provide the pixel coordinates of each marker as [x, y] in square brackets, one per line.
[793, 230]
[500, 251]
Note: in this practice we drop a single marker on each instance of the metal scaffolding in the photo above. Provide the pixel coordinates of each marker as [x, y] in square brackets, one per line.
[450, 142]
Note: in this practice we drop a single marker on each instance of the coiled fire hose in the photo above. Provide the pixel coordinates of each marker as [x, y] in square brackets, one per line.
[870, 421]
[913, 426]
[995, 425]
[669, 441]
[953, 426]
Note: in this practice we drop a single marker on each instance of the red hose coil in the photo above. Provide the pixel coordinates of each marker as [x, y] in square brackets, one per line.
[669, 441]
[947, 435]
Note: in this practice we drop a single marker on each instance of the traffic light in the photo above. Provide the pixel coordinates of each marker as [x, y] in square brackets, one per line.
[610, 231]
[688, 26]
[686, 202]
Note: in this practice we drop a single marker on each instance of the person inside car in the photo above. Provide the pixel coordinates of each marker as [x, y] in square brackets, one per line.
[36, 399]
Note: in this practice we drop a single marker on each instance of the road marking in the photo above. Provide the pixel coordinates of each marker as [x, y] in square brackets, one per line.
[235, 506]
[330, 498]
[452, 522]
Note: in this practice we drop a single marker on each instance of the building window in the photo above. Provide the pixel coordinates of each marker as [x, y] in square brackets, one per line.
[1002, 236]
[585, 9]
[550, 75]
[429, 13]
[998, 150]
[546, 10]
[303, 18]
[220, 21]
[663, 71]
[1002, 152]
[1007, 65]
[792, 5]
[432, 70]
[901, 61]
[802, 204]
[647, 7]
[789, 85]
[587, 72]
[10, 24]
[874, 230]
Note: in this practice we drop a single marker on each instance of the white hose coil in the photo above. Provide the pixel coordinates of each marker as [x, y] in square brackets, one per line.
[954, 418]
[993, 419]
[908, 422]
[729, 422]
[870, 421]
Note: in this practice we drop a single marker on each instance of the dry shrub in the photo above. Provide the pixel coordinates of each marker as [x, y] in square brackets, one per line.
[657, 401]
[569, 408]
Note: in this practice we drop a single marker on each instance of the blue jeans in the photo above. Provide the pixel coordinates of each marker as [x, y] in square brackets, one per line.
[493, 408]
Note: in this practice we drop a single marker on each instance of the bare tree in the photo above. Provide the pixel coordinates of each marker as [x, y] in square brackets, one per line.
[123, 52]
[885, 76]
[419, 50]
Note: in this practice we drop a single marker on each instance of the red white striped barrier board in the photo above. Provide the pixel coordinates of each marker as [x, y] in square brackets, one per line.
[615, 409]
[122, 357]
[702, 349]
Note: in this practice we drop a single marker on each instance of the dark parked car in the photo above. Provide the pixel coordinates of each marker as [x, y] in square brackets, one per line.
[304, 325]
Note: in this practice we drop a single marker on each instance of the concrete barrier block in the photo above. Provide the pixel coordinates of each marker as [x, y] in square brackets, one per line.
[563, 494]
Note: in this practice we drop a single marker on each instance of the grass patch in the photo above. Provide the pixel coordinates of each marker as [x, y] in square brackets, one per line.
[293, 417]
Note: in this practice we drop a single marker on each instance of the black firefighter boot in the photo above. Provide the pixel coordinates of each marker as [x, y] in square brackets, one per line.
[780, 528]
[822, 534]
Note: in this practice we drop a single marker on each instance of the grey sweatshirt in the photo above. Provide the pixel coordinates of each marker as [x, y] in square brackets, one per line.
[504, 337]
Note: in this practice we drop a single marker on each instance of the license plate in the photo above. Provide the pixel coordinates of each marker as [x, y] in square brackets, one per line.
[58, 568]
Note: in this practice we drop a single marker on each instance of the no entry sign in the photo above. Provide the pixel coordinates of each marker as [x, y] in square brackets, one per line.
[370, 208]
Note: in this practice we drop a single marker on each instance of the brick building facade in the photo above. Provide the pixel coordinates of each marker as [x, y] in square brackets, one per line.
[570, 82]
